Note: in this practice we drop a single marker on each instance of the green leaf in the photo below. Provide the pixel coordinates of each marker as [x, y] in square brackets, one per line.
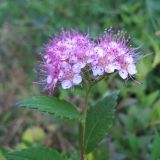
[51, 105]
[155, 148]
[101, 153]
[2, 156]
[3, 152]
[74, 156]
[99, 121]
[35, 153]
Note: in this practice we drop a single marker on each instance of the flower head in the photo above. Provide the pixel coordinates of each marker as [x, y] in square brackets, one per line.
[113, 53]
[65, 55]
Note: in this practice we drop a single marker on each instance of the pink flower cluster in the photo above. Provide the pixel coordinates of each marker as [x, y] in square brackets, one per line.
[67, 54]
[112, 53]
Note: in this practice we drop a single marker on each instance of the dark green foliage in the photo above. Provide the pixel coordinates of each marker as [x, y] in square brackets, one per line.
[156, 148]
[99, 121]
[35, 153]
[51, 105]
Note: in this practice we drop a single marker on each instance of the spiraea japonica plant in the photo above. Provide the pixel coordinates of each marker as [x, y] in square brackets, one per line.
[73, 59]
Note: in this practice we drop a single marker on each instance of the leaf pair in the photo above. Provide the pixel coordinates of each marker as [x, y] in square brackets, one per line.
[98, 121]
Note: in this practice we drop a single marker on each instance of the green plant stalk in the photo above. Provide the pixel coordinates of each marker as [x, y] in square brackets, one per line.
[82, 124]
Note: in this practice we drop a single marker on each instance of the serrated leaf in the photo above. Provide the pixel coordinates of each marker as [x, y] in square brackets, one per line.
[35, 153]
[99, 121]
[51, 105]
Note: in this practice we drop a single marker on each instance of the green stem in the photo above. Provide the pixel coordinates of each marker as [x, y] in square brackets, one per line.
[82, 125]
[102, 77]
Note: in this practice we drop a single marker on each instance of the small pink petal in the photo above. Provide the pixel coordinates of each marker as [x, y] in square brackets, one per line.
[73, 59]
[61, 74]
[99, 51]
[129, 59]
[97, 71]
[48, 60]
[123, 73]
[77, 79]
[46, 56]
[66, 84]
[66, 66]
[49, 79]
[110, 68]
[113, 44]
[76, 68]
[132, 69]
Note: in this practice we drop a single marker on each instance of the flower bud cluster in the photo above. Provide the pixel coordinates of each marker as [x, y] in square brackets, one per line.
[67, 54]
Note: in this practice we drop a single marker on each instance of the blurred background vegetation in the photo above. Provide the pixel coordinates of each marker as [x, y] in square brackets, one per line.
[26, 25]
